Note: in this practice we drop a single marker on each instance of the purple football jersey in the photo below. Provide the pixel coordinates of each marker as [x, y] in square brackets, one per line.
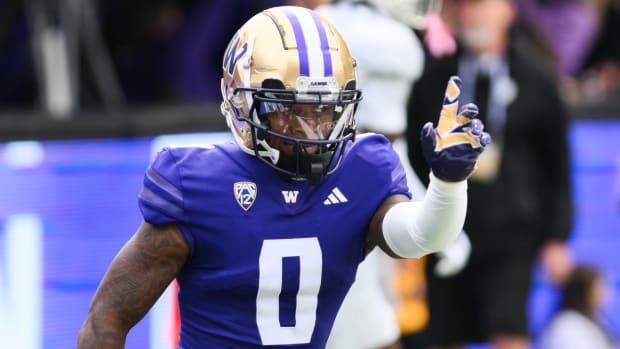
[270, 260]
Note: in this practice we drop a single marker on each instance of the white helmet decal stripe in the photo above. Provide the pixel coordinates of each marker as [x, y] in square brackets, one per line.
[310, 32]
[327, 56]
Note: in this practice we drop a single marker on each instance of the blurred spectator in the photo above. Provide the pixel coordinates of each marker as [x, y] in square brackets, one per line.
[519, 198]
[568, 27]
[575, 325]
[438, 38]
[386, 80]
[438, 33]
[581, 36]
[607, 47]
[600, 79]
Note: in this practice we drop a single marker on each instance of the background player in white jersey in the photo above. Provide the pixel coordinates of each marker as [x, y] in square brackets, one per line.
[264, 236]
[380, 42]
[380, 34]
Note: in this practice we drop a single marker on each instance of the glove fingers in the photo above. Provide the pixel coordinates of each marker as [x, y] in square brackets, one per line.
[447, 117]
[485, 139]
[467, 116]
[476, 126]
[476, 130]
[468, 112]
[453, 147]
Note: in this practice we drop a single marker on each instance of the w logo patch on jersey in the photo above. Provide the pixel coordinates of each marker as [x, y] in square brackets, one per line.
[245, 194]
[290, 196]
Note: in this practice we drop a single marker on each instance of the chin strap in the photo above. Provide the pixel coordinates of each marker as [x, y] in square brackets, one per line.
[311, 167]
[315, 165]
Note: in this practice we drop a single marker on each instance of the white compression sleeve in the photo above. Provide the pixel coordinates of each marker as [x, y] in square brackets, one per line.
[416, 228]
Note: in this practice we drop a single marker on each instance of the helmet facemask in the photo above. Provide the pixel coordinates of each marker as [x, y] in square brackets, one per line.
[301, 134]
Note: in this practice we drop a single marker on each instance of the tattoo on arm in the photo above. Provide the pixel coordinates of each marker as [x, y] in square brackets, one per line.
[138, 275]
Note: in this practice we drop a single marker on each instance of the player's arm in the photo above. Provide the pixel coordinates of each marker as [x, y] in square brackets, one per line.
[412, 229]
[138, 275]
[404, 228]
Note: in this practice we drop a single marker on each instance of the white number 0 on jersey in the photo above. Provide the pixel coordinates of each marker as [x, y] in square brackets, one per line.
[270, 286]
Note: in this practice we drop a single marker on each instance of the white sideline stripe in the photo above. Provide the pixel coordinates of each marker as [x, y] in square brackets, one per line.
[21, 302]
[160, 321]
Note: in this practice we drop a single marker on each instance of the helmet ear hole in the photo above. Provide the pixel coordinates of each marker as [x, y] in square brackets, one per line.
[350, 85]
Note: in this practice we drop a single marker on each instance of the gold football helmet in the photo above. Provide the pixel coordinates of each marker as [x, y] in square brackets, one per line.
[289, 91]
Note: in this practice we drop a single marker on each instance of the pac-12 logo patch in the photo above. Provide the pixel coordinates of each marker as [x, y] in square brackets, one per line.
[245, 193]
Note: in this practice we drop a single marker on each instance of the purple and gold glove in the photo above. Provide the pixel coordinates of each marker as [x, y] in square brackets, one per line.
[452, 148]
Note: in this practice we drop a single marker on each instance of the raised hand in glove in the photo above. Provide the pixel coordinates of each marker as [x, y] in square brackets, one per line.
[452, 148]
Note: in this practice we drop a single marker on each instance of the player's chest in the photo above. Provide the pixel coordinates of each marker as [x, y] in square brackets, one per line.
[247, 203]
[244, 213]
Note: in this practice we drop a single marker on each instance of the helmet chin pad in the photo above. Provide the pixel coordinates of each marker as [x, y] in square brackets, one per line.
[310, 167]
[315, 164]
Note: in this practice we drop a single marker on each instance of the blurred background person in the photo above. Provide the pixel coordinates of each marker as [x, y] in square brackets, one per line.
[577, 35]
[576, 324]
[599, 81]
[387, 300]
[566, 29]
[390, 59]
[519, 198]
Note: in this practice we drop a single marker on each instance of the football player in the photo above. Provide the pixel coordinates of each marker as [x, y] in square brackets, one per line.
[264, 235]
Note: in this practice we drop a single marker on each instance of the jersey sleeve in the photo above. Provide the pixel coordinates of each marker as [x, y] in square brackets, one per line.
[389, 161]
[161, 197]
[399, 179]
[380, 154]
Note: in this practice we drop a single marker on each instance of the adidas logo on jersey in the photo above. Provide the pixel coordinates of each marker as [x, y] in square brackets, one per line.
[335, 197]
